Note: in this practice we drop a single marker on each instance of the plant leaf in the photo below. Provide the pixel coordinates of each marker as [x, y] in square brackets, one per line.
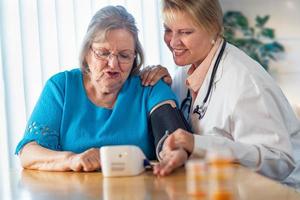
[235, 19]
[252, 40]
[268, 33]
[273, 47]
[261, 21]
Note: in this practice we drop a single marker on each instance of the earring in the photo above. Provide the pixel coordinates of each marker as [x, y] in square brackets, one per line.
[213, 42]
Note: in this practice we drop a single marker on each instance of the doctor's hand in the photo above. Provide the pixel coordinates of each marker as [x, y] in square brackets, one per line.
[171, 160]
[152, 74]
[87, 161]
[179, 139]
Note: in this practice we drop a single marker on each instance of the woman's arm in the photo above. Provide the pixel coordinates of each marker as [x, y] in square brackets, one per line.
[40, 147]
[166, 120]
[34, 156]
[171, 102]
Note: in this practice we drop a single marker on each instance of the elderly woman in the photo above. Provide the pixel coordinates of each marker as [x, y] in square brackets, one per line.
[103, 103]
[232, 103]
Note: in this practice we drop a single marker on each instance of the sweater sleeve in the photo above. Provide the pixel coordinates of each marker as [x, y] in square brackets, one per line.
[43, 126]
[160, 92]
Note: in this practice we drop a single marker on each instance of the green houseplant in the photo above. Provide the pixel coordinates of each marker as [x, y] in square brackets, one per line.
[257, 41]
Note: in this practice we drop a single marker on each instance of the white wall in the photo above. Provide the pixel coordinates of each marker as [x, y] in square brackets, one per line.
[285, 20]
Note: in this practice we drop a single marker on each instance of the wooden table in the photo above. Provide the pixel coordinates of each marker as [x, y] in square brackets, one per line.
[31, 185]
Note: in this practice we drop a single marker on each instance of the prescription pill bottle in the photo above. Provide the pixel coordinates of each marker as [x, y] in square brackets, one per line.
[196, 178]
[220, 174]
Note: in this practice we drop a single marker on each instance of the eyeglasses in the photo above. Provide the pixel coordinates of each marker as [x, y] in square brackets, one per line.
[124, 57]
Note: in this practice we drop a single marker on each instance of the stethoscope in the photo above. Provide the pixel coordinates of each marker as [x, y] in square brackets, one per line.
[201, 110]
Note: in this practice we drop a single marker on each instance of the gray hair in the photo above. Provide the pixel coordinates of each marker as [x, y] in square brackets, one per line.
[207, 14]
[106, 19]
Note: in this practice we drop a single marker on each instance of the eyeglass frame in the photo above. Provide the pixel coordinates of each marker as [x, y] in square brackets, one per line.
[106, 58]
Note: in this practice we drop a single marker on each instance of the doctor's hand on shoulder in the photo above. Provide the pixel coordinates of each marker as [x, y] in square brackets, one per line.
[150, 75]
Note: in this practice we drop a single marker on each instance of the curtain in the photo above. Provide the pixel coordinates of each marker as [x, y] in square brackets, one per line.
[39, 38]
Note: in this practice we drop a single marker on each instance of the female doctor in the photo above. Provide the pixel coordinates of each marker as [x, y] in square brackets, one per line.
[232, 103]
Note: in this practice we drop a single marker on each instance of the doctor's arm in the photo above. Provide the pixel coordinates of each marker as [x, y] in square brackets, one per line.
[263, 158]
[259, 121]
[260, 140]
[260, 137]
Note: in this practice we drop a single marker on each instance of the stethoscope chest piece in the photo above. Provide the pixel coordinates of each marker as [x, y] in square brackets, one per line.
[200, 110]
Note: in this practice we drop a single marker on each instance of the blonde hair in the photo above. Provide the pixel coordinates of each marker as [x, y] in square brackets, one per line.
[105, 20]
[207, 14]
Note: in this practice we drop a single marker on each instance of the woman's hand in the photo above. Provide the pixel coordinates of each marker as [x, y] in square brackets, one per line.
[151, 74]
[87, 161]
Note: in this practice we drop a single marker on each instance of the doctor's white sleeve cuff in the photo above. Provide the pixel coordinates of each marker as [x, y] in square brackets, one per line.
[246, 154]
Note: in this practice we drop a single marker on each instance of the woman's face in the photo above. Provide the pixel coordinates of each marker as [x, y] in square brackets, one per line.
[188, 43]
[110, 62]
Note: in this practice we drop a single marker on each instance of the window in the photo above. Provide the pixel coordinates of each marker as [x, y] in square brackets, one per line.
[41, 38]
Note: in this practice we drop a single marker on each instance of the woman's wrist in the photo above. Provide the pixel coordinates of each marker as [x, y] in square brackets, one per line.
[67, 161]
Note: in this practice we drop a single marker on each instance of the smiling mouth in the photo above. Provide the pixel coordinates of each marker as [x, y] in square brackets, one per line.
[178, 52]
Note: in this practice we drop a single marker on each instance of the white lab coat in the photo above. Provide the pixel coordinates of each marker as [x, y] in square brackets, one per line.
[248, 114]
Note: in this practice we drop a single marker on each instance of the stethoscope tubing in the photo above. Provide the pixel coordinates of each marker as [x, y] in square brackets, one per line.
[201, 110]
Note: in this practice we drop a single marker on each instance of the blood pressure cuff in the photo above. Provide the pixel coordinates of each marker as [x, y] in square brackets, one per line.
[166, 118]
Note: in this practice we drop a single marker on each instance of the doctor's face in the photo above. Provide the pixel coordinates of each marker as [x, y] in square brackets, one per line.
[188, 43]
